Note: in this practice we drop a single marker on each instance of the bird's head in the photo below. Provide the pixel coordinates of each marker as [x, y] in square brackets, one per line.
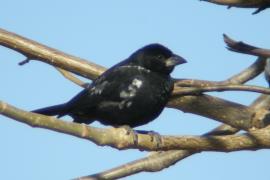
[157, 58]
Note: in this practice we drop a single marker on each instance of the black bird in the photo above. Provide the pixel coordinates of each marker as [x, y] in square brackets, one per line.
[133, 92]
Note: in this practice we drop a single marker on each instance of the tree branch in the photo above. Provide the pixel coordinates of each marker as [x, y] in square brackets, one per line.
[72, 78]
[241, 47]
[247, 74]
[263, 102]
[157, 161]
[163, 159]
[260, 4]
[197, 90]
[234, 114]
[37, 51]
[119, 137]
[154, 162]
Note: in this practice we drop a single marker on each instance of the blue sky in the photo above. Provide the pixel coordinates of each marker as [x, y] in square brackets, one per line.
[106, 33]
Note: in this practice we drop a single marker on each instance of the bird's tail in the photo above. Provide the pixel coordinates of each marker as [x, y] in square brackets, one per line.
[59, 110]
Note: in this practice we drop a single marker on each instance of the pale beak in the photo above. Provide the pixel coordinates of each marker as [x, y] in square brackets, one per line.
[174, 61]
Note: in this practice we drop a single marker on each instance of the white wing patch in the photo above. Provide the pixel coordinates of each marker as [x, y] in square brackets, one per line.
[99, 88]
[136, 82]
[129, 93]
[132, 89]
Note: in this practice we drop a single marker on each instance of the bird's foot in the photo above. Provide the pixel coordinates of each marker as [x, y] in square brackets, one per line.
[155, 137]
[132, 133]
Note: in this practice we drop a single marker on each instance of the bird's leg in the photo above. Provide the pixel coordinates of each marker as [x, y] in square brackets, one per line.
[131, 133]
[155, 137]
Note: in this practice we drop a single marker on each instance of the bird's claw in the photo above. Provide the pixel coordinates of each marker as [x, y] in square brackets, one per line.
[132, 133]
[155, 137]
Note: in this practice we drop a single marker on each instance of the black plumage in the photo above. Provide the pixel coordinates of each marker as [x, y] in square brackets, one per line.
[133, 92]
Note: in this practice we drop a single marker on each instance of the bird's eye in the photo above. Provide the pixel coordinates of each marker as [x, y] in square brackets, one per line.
[160, 56]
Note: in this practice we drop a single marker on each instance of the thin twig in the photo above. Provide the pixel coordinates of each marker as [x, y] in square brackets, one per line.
[242, 77]
[259, 4]
[233, 87]
[72, 78]
[27, 60]
[241, 47]
[247, 74]
[239, 3]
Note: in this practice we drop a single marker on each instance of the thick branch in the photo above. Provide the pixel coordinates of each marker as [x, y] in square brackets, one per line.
[234, 114]
[263, 102]
[119, 137]
[37, 51]
[154, 162]
[160, 160]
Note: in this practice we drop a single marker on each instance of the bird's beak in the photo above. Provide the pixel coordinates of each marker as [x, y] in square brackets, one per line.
[175, 60]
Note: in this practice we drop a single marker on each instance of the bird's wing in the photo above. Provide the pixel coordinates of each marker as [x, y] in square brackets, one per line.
[113, 86]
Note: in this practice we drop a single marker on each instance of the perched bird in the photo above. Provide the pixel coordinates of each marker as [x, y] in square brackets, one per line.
[133, 92]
